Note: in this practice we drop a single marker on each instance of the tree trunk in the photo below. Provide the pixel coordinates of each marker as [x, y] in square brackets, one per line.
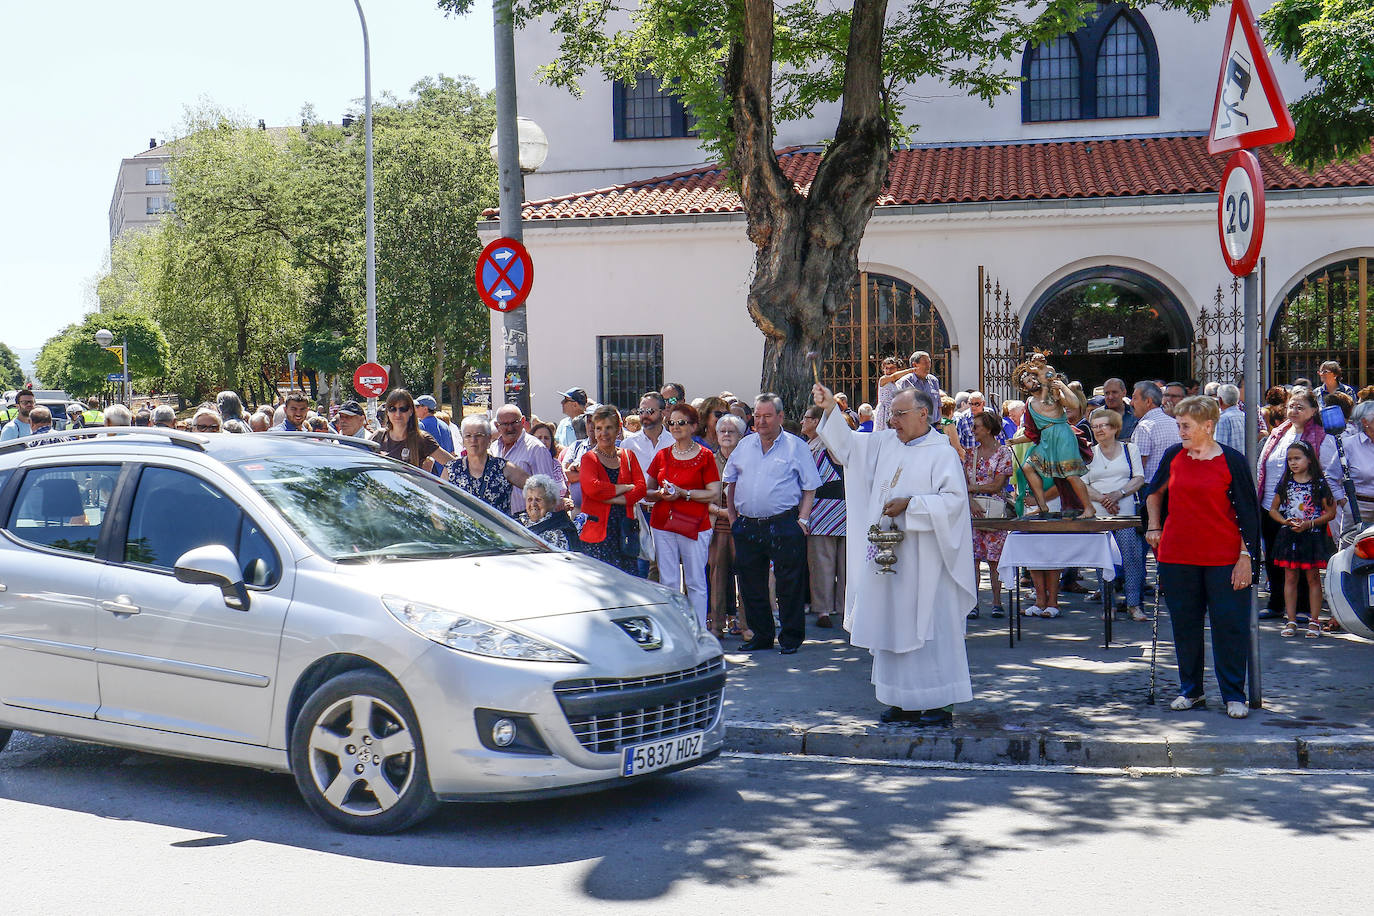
[807, 247]
[439, 368]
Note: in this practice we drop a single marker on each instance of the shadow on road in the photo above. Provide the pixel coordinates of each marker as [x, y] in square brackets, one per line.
[727, 824]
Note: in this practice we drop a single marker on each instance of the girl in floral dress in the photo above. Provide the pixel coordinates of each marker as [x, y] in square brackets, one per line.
[988, 466]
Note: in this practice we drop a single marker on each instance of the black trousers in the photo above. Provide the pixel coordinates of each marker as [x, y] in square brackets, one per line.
[1269, 530]
[1193, 593]
[781, 541]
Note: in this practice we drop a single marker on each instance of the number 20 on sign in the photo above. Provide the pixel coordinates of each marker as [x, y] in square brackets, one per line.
[1240, 213]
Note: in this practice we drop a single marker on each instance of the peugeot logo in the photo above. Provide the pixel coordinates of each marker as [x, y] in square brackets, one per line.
[643, 631]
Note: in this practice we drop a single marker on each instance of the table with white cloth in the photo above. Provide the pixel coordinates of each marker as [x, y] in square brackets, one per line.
[1058, 544]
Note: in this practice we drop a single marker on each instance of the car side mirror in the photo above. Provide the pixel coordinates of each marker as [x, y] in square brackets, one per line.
[214, 564]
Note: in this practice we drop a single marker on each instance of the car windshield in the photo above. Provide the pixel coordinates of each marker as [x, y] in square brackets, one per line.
[352, 512]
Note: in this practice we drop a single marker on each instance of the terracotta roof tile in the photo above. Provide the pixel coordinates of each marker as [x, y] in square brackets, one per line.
[961, 174]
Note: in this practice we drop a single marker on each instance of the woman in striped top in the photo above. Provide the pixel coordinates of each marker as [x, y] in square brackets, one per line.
[825, 547]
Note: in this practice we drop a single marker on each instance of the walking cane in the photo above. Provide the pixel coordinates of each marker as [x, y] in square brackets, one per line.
[1154, 645]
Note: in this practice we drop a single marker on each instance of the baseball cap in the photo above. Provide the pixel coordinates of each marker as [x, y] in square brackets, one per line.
[576, 394]
[427, 400]
[352, 408]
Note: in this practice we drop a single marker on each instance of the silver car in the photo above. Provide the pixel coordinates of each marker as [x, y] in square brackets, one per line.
[300, 604]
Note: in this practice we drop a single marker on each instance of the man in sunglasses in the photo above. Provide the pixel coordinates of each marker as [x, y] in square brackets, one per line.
[19, 426]
[648, 442]
[673, 393]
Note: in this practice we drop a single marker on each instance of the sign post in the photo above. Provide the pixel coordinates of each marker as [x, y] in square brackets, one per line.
[505, 276]
[1248, 112]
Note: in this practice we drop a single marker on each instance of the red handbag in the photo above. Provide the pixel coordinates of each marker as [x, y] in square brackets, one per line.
[679, 522]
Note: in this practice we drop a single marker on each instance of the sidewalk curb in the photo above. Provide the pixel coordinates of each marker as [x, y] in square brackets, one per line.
[1021, 749]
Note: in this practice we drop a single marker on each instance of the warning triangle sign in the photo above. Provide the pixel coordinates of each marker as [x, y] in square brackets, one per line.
[1249, 110]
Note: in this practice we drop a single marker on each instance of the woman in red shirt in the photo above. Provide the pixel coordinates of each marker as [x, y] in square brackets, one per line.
[611, 485]
[1204, 526]
[682, 481]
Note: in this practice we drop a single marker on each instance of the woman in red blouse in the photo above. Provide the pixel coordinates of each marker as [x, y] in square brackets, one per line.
[682, 481]
[611, 485]
[1204, 526]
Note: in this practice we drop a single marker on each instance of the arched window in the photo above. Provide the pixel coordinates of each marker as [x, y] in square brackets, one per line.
[1107, 69]
[1053, 81]
[1123, 72]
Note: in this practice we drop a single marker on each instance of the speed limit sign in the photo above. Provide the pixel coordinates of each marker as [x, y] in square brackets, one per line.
[1240, 213]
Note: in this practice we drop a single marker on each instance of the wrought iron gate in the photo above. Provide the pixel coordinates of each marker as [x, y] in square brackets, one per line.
[999, 341]
[885, 317]
[1326, 316]
[1219, 338]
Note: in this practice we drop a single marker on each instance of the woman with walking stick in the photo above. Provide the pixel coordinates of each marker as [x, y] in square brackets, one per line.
[1204, 527]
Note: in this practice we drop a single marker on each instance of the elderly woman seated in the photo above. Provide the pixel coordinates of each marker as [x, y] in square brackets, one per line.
[545, 516]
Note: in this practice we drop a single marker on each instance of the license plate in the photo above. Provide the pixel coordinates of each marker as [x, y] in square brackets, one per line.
[645, 758]
[1369, 583]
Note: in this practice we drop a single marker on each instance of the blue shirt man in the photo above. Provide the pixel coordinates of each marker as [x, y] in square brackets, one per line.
[425, 406]
[922, 379]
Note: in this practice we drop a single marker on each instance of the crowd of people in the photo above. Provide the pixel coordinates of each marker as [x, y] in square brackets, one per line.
[746, 510]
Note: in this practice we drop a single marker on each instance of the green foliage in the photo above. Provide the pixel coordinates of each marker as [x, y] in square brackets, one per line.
[266, 254]
[1333, 42]
[73, 361]
[11, 374]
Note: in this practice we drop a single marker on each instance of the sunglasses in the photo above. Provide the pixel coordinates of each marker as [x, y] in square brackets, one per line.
[679, 423]
[206, 428]
[398, 408]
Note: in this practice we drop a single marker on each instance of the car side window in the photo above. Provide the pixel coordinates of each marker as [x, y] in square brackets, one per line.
[174, 512]
[63, 507]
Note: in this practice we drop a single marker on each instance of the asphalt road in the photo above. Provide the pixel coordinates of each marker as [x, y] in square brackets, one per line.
[84, 826]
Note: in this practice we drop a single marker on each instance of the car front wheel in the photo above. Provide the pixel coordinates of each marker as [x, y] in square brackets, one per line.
[358, 758]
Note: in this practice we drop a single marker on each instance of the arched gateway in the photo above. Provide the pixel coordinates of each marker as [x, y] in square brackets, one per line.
[885, 317]
[1077, 319]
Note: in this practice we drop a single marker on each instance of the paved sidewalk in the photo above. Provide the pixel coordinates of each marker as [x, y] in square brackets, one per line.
[1058, 697]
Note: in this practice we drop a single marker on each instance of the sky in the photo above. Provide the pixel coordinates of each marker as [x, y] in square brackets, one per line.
[90, 82]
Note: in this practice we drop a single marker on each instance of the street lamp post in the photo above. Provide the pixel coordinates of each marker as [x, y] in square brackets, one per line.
[519, 147]
[371, 212]
[105, 338]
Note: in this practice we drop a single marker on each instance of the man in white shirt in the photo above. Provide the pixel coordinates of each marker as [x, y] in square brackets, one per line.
[648, 442]
[770, 484]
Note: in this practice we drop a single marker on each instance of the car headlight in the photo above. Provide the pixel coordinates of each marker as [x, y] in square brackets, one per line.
[468, 634]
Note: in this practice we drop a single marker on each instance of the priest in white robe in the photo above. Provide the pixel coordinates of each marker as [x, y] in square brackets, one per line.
[911, 620]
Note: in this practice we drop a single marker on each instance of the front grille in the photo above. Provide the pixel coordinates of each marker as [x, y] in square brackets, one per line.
[654, 707]
[601, 684]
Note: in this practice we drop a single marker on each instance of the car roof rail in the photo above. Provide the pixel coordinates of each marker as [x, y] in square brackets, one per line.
[340, 438]
[174, 436]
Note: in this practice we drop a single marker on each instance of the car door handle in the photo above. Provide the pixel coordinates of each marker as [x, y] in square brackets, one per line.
[122, 606]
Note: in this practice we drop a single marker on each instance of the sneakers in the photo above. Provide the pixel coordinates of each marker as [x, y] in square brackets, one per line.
[1183, 704]
[1138, 615]
[1237, 710]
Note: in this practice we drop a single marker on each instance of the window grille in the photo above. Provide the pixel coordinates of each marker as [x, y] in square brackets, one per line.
[630, 365]
[644, 110]
[1054, 81]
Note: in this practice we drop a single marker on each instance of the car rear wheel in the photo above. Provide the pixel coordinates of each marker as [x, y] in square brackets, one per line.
[358, 758]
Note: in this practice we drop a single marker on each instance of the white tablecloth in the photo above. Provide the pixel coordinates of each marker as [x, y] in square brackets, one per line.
[1057, 551]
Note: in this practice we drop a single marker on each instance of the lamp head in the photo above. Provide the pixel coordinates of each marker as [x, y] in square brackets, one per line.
[532, 143]
[104, 337]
